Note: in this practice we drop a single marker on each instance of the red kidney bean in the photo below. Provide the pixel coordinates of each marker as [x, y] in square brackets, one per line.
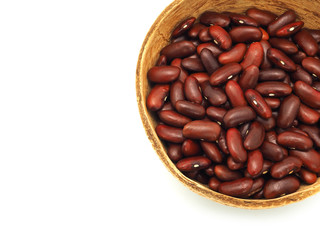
[202, 130]
[306, 42]
[310, 159]
[201, 77]
[263, 17]
[257, 102]
[288, 111]
[312, 65]
[183, 73]
[307, 176]
[209, 171]
[313, 132]
[235, 54]
[180, 49]
[272, 151]
[281, 60]
[265, 64]
[272, 74]
[240, 19]
[190, 109]
[216, 51]
[235, 145]
[284, 19]
[285, 167]
[257, 187]
[225, 73]
[278, 187]
[294, 140]
[273, 89]
[255, 136]
[202, 177]
[265, 35]
[215, 113]
[236, 188]
[176, 92]
[289, 29]
[232, 165]
[174, 151]
[245, 34]
[214, 183]
[183, 27]
[298, 57]
[192, 64]
[307, 94]
[238, 115]
[293, 129]
[255, 162]
[173, 118]
[204, 35]
[214, 18]
[166, 106]
[190, 148]
[268, 123]
[271, 136]
[222, 142]
[170, 134]
[162, 61]
[249, 77]
[220, 37]
[195, 29]
[193, 163]
[315, 34]
[209, 62]
[223, 173]
[301, 74]
[192, 90]
[214, 95]
[212, 151]
[157, 96]
[253, 56]
[235, 94]
[163, 74]
[308, 115]
[244, 129]
[284, 45]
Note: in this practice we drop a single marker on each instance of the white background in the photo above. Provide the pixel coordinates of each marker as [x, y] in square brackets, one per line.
[75, 162]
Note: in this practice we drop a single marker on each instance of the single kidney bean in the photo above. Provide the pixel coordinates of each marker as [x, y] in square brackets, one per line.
[202, 130]
[281, 60]
[183, 27]
[236, 188]
[201, 77]
[215, 113]
[271, 151]
[272, 74]
[258, 104]
[285, 167]
[233, 165]
[268, 123]
[176, 92]
[298, 57]
[235, 145]
[257, 186]
[209, 62]
[190, 148]
[192, 64]
[173, 118]
[265, 35]
[235, 54]
[235, 94]
[157, 96]
[212, 151]
[265, 64]
[284, 45]
[254, 137]
[301, 74]
[174, 151]
[220, 37]
[214, 95]
[278, 187]
[306, 42]
[307, 94]
[195, 29]
[273, 89]
[240, 19]
[214, 183]
[307, 176]
[166, 106]
[308, 115]
[192, 90]
[238, 115]
[222, 142]
[288, 111]
[245, 34]
[204, 35]
[313, 132]
[214, 18]
[312, 65]
[289, 29]
[310, 159]
[180, 49]
[249, 77]
[183, 73]
[253, 56]
[216, 51]
[315, 34]
[223, 173]
[193, 163]
[225, 73]
[255, 162]
[163, 74]
[284, 19]
[263, 17]
[170, 134]
[190, 109]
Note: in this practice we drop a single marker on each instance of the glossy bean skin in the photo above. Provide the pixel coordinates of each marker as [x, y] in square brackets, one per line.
[193, 163]
[212, 151]
[209, 171]
[257, 187]
[190, 148]
[183, 73]
[214, 183]
[265, 35]
[281, 60]
[273, 89]
[307, 176]
[285, 167]
[220, 37]
[214, 18]
[192, 64]
[268, 123]
[312, 65]
[284, 45]
[162, 61]
[173, 118]
[249, 77]
[235, 54]
[190, 109]
[310, 159]
[308, 115]
[236, 188]
[254, 137]
[183, 27]
[216, 51]
[255, 162]
[263, 17]
[257, 102]
[278, 187]
[202, 130]
[306, 42]
[157, 97]
[180, 49]
[222, 142]
[233, 165]
[193, 32]
[225, 73]
[240, 19]
[209, 62]
[204, 35]
[192, 90]
[214, 95]
[215, 113]
[235, 145]
[284, 19]
[298, 57]
[313, 132]
[272, 74]
[307, 94]
[273, 103]
[301, 74]
[235, 94]
[170, 134]
[163, 74]
[201, 77]
[288, 111]
[238, 115]
[223, 173]
[174, 152]
[176, 92]
[289, 29]
[253, 56]
[265, 64]
[245, 34]
[272, 151]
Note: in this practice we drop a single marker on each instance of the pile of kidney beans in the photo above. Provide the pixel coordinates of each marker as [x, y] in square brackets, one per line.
[237, 97]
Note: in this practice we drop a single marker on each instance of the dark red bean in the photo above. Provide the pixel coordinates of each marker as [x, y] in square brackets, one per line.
[215, 113]
[192, 90]
[233, 165]
[289, 29]
[209, 171]
[273, 103]
[170, 134]
[235, 145]
[183, 73]
[201, 77]
[202, 130]
[183, 27]
[307, 94]
[162, 61]
[312, 65]
[254, 137]
[263, 17]
[174, 152]
[273, 89]
[284, 19]
[193, 163]
[220, 37]
[272, 151]
[209, 62]
[202, 177]
[308, 115]
[214, 183]
[257, 186]
[257, 102]
[222, 142]
[223, 173]
[235, 94]
[238, 115]
[225, 73]
[265, 64]
[265, 35]
[315, 34]
[298, 57]
[212, 151]
[235, 54]
[272, 74]
[249, 77]
[253, 56]
[190, 109]
[180, 49]
[307, 176]
[157, 96]
[306, 42]
[195, 29]
[294, 140]
[244, 129]
[241, 20]
[236, 188]
[216, 51]
[284, 45]
[301, 74]
[214, 95]
[192, 64]
[163, 74]
[190, 148]
[255, 162]
[214, 18]
[176, 92]
[173, 118]
[278, 187]
[313, 132]
[310, 159]
[285, 167]
[167, 106]
[288, 111]
[281, 60]
[204, 35]
[245, 34]
[268, 123]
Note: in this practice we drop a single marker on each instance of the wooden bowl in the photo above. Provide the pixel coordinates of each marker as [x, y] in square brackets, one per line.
[159, 36]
